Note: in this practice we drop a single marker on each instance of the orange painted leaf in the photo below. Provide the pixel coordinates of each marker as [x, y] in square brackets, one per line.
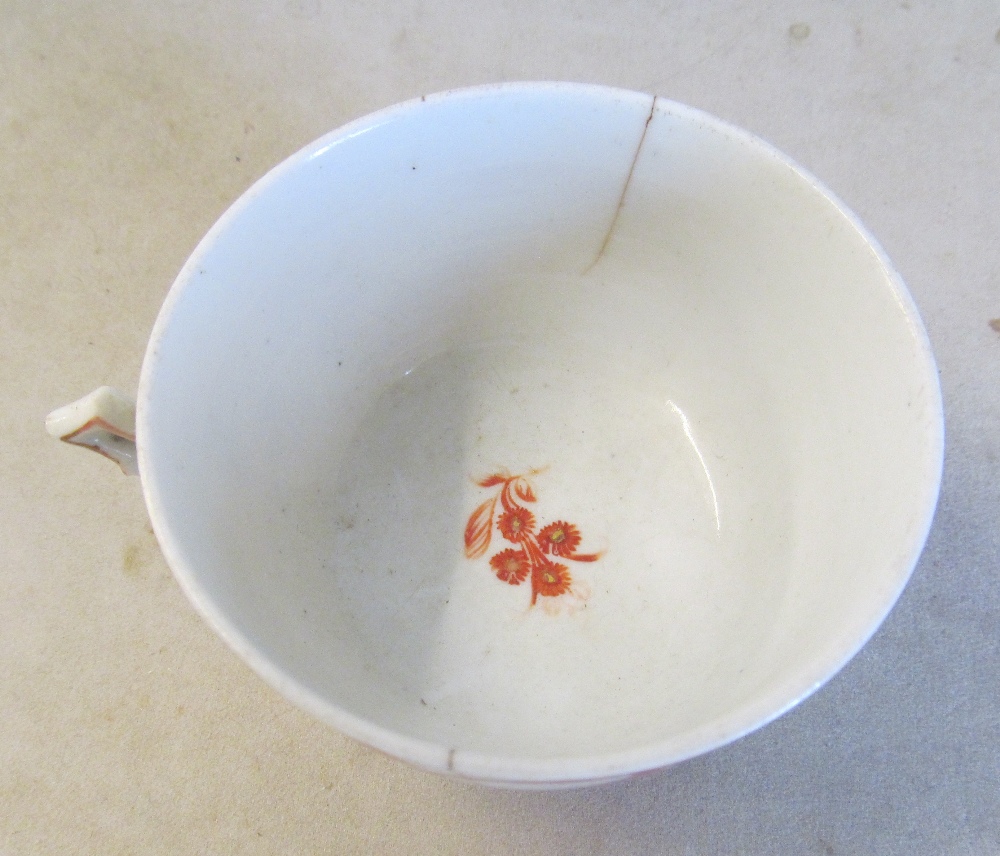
[479, 529]
[492, 480]
[584, 557]
[524, 491]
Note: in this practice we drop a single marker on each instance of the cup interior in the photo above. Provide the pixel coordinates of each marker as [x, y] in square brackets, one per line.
[695, 358]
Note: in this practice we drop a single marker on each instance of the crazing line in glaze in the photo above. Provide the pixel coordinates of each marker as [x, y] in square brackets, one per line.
[624, 193]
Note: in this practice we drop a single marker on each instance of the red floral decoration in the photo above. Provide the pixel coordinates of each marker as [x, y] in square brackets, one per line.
[559, 538]
[517, 525]
[511, 566]
[553, 579]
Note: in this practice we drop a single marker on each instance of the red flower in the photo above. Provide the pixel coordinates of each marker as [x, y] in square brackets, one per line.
[516, 523]
[530, 555]
[551, 580]
[559, 538]
[511, 566]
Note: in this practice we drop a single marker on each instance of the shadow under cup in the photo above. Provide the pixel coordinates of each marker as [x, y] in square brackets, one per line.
[693, 354]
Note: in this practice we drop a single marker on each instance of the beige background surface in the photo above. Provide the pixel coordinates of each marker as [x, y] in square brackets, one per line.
[127, 128]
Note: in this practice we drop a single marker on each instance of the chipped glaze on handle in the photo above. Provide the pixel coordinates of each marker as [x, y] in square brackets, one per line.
[103, 421]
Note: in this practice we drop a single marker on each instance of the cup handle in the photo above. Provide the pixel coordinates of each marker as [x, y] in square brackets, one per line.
[103, 421]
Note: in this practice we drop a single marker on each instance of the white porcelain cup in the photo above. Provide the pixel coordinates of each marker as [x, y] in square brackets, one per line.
[537, 434]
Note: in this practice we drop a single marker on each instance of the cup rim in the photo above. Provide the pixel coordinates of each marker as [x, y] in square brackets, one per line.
[578, 769]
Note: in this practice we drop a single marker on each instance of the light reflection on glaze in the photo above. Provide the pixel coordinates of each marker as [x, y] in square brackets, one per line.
[686, 425]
